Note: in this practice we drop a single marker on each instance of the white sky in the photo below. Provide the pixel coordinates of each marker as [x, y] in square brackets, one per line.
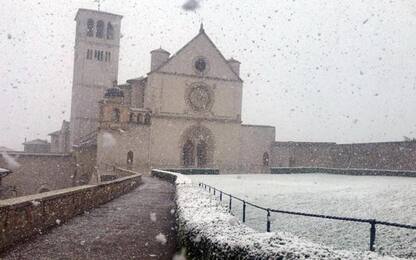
[342, 71]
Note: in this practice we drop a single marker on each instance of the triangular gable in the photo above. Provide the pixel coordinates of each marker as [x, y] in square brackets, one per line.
[182, 62]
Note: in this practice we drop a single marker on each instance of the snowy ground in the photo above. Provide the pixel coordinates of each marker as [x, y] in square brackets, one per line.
[383, 198]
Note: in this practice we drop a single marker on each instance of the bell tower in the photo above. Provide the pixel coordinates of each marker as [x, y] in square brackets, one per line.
[96, 56]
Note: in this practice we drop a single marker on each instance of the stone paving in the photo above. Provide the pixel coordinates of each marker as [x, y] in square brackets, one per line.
[138, 225]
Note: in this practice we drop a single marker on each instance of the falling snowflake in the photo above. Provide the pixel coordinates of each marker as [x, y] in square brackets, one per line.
[191, 5]
[35, 203]
[161, 238]
[153, 217]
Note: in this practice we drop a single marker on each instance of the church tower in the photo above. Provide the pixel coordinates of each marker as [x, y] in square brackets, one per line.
[96, 56]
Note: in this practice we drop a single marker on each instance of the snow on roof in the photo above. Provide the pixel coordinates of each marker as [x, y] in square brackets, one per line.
[5, 149]
[36, 141]
[4, 172]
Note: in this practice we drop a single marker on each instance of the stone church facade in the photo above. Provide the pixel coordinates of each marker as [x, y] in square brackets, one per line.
[185, 113]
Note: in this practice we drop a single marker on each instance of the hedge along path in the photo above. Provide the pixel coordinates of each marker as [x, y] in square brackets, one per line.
[124, 228]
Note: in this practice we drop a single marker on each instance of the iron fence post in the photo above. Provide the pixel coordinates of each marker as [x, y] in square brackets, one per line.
[209, 189]
[214, 191]
[220, 195]
[230, 203]
[372, 234]
[244, 211]
[268, 220]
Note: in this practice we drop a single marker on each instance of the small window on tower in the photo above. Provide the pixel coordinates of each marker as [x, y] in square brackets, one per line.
[100, 29]
[107, 56]
[116, 115]
[90, 28]
[110, 31]
[89, 54]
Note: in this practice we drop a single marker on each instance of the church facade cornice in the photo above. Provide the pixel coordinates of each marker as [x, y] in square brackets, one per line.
[194, 76]
[197, 118]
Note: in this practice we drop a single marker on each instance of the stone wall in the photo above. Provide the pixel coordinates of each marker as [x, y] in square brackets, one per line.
[37, 173]
[23, 217]
[385, 155]
[343, 171]
[86, 158]
[307, 154]
[388, 155]
[255, 143]
[114, 145]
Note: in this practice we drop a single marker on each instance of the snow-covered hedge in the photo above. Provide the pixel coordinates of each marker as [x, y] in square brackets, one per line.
[208, 231]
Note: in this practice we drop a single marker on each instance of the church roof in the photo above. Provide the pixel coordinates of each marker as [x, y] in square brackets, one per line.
[5, 149]
[57, 132]
[233, 60]
[201, 32]
[160, 50]
[64, 128]
[136, 79]
[36, 141]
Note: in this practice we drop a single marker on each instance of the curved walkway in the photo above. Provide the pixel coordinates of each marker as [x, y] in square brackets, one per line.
[138, 225]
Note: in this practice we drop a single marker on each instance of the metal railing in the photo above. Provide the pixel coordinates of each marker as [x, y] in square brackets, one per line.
[372, 222]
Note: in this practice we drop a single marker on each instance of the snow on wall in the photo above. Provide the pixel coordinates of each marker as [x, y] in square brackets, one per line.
[207, 230]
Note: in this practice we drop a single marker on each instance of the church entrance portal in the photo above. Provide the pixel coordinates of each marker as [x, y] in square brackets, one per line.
[197, 147]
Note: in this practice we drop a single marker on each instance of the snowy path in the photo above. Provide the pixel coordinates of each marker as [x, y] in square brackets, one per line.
[121, 229]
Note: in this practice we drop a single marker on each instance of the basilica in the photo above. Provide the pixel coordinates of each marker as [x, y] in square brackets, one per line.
[184, 113]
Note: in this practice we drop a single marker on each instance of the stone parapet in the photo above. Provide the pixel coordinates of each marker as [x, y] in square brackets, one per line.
[27, 216]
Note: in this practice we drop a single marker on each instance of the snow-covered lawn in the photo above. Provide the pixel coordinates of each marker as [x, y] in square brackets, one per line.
[383, 198]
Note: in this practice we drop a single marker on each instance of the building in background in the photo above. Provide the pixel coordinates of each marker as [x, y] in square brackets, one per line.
[60, 139]
[36, 146]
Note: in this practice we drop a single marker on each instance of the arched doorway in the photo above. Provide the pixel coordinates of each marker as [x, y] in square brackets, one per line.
[197, 147]
[266, 159]
[130, 157]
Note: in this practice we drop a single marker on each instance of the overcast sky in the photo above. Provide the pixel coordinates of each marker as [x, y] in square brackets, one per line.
[342, 71]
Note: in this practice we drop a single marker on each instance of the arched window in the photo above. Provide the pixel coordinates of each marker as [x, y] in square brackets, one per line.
[131, 118]
[201, 153]
[116, 115]
[100, 29]
[266, 159]
[130, 158]
[110, 31]
[139, 118]
[90, 28]
[147, 119]
[188, 154]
